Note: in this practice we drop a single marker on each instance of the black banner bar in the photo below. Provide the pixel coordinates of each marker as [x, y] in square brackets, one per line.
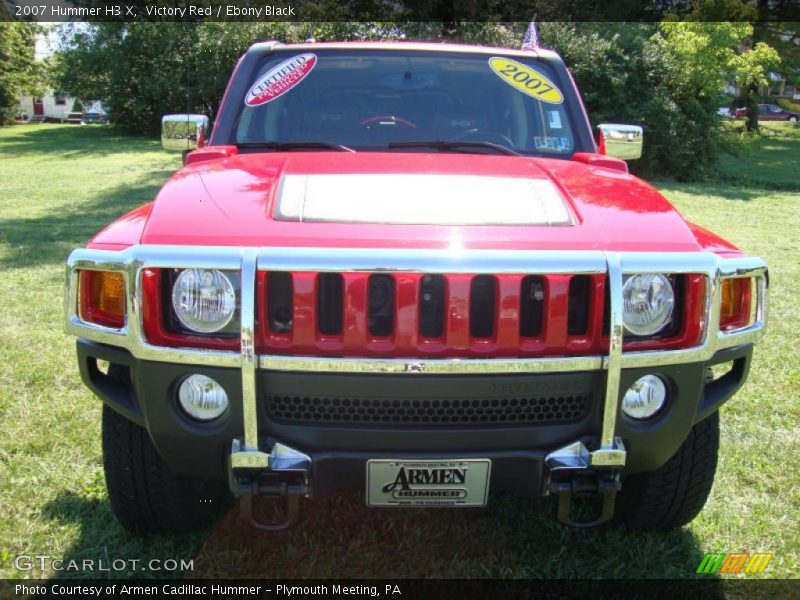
[405, 589]
[131, 11]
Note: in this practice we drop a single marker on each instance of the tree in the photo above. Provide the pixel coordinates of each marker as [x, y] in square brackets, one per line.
[778, 26]
[144, 70]
[750, 70]
[666, 76]
[20, 72]
[715, 53]
[755, 49]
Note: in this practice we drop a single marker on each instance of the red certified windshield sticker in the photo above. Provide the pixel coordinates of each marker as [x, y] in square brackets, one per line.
[280, 79]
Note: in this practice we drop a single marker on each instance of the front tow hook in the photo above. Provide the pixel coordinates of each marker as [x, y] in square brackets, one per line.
[291, 491]
[586, 487]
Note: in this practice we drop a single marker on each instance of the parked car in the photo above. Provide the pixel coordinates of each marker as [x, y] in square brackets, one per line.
[409, 270]
[770, 112]
[94, 118]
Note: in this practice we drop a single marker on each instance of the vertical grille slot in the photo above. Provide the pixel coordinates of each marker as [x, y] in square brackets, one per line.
[531, 309]
[482, 300]
[431, 306]
[381, 298]
[280, 307]
[330, 303]
[578, 309]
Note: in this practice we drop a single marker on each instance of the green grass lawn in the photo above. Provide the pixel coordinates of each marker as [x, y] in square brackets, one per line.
[765, 161]
[60, 184]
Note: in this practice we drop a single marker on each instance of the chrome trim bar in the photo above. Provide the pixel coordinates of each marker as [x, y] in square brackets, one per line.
[431, 366]
[249, 455]
[131, 261]
[455, 260]
[614, 361]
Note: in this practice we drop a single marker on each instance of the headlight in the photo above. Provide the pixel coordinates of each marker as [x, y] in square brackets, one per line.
[202, 398]
[647, 303]
[203, 300]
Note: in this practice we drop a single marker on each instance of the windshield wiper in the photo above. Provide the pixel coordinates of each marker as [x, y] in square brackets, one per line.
[279, 146]
[454, 145]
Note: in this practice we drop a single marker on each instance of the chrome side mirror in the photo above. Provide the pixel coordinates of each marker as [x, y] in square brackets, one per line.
[621, 141]
[183, 132]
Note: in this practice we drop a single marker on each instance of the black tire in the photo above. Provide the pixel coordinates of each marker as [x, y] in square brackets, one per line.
[793, 119]
[675, 493]
[146, 495]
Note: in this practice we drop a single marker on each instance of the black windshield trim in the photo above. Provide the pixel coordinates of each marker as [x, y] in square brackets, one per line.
[288, 146]
[454, 145]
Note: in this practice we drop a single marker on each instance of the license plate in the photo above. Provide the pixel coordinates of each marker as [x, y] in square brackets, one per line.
[428, 482]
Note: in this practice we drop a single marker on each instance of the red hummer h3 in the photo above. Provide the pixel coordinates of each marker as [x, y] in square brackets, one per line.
[408, 270]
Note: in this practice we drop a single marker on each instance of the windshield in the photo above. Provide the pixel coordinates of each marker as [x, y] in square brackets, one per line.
[388, 100]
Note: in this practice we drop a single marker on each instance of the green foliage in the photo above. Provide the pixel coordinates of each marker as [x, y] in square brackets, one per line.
[143, 70]
[787, 104]
[667, 77]
[778, 27]
[734, 138]
[20, 73]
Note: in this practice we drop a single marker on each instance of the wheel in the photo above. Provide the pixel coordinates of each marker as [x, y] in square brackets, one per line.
[146, 495]
[793, 119]
[673, 494]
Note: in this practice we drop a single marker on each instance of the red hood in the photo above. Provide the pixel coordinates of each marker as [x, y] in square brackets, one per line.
[230, 202]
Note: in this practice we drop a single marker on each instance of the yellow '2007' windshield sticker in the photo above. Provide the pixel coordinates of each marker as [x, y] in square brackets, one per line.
[527, 80]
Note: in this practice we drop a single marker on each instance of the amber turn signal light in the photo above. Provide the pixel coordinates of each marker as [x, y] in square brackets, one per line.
[102, 298]
[735, 309]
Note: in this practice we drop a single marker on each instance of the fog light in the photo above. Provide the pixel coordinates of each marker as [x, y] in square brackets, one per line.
[644, 398]
[202, 398]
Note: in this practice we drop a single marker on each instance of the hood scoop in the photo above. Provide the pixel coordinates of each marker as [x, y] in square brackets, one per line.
[420, 199]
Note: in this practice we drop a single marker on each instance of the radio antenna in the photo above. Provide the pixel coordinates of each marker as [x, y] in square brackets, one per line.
[186, 68]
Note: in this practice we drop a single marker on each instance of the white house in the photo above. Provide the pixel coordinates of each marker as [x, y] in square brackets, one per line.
[53, 105]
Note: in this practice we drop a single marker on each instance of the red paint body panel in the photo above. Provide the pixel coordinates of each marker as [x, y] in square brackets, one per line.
[129, 229]
[210, 153]
[711, 242]
[600, 160]
[125, 231]
[230, 202]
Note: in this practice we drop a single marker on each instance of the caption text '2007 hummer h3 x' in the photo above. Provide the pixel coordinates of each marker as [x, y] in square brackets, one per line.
[409, 270]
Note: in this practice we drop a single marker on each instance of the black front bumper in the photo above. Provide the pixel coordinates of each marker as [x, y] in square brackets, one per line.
[146, 393]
